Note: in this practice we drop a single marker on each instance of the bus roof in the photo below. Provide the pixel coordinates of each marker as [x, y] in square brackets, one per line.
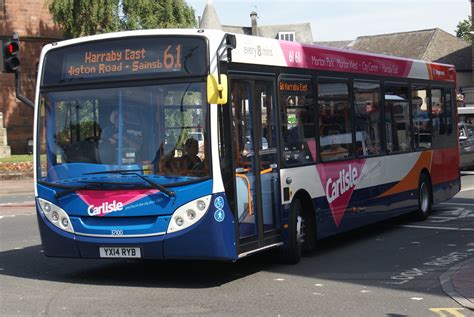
[272, 52]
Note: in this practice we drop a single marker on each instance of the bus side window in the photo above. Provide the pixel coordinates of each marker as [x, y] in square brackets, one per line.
[397, 118]
[421, 116]
[437, 115]
[448, 110]
[297, 106]
[335, 119]
[368, 118]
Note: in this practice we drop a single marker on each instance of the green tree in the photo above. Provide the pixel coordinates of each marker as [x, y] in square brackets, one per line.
[87, 17]
[150, 14]
[463, 30]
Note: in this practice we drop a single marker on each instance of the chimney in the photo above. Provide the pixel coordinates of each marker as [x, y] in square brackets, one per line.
[253, 18]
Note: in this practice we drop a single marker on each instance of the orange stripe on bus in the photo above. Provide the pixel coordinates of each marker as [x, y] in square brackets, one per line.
[410, 181]
[430, 73]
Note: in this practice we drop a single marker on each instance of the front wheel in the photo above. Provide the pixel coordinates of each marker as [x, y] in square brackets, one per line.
[291, 251]
[425, 197]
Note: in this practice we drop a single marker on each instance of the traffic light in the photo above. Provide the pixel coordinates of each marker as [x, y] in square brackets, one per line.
[11, 55]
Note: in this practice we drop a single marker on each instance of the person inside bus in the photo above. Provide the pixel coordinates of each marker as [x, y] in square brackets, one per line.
[171, 165]
[296, 133]
[109, 138]
[190, 160]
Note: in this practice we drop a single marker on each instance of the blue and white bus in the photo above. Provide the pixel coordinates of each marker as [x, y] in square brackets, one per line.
[198, 144]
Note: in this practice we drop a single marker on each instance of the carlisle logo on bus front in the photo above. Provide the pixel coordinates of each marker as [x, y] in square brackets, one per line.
[339, 181]
[105, 208]
[104, 202]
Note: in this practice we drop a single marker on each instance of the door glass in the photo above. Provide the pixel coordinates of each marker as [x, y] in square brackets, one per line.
[245, 159]
[268, 157]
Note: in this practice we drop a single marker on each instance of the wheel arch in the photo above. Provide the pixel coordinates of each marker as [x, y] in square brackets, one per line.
[309, 213]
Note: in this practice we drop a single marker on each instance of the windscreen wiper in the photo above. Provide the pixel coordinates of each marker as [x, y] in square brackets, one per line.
[158, 186]
[93, 185]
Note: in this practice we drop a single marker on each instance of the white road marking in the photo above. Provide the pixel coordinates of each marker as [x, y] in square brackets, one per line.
[457, 204]
[428, 267]
[13, 216]
[417, 298]
[466, 189]
[28, 203]
[279, 279]
[437, 228]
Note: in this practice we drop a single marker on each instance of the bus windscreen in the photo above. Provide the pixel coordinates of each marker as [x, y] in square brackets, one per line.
[126, 58]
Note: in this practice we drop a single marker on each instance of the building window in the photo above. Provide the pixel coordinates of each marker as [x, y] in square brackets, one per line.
[287, 36]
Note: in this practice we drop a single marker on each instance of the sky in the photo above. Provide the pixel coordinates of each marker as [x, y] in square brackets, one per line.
[337, 20]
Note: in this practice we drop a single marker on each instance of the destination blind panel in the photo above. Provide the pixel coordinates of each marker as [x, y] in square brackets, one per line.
[130, 58]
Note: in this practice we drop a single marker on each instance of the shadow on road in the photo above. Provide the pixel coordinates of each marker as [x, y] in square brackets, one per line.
[31, 263]
[369, 256]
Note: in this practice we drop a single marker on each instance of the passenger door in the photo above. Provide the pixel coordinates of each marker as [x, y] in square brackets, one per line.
[256, 182]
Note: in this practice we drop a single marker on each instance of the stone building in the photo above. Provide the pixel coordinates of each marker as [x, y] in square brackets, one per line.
[32, 21]
[298, 32]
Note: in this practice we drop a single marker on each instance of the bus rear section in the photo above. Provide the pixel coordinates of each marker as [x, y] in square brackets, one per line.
[123, 166]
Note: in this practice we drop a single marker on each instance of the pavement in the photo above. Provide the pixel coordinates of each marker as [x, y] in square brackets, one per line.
[458, 283]
[463, 282]
[17, 197]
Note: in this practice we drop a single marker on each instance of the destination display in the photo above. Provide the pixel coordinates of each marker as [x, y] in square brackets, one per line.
[126, 57]
[124, 61]
[293, 86]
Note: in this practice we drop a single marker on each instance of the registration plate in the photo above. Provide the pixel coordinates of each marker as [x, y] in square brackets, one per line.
[120, 252]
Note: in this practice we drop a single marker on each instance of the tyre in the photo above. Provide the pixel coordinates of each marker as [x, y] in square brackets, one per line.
[291, 252]
[425, 198]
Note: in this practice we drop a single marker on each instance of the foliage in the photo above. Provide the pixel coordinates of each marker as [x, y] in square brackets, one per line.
[88, 17]
[463, 30]
[17, 159]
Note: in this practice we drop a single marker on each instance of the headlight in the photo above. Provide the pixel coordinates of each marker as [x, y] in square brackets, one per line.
[55, 215]
[189, 214]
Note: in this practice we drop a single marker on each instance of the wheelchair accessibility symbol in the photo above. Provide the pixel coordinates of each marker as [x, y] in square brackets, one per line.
[219, 215]
[219, 202]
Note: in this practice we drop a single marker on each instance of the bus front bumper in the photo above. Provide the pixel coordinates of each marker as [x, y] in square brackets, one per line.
[207, 239]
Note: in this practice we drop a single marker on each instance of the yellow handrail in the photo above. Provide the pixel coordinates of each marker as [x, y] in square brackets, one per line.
[249, 194]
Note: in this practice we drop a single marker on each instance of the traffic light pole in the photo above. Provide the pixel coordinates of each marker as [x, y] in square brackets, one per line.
[19, 96]
[10, 60]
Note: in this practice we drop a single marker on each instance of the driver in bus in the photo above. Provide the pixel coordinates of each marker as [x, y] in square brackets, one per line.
[190, 159]
[171, 165]
[109, 137]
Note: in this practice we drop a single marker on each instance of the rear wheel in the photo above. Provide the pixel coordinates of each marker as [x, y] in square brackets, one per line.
[291, 252]
[425, 197]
